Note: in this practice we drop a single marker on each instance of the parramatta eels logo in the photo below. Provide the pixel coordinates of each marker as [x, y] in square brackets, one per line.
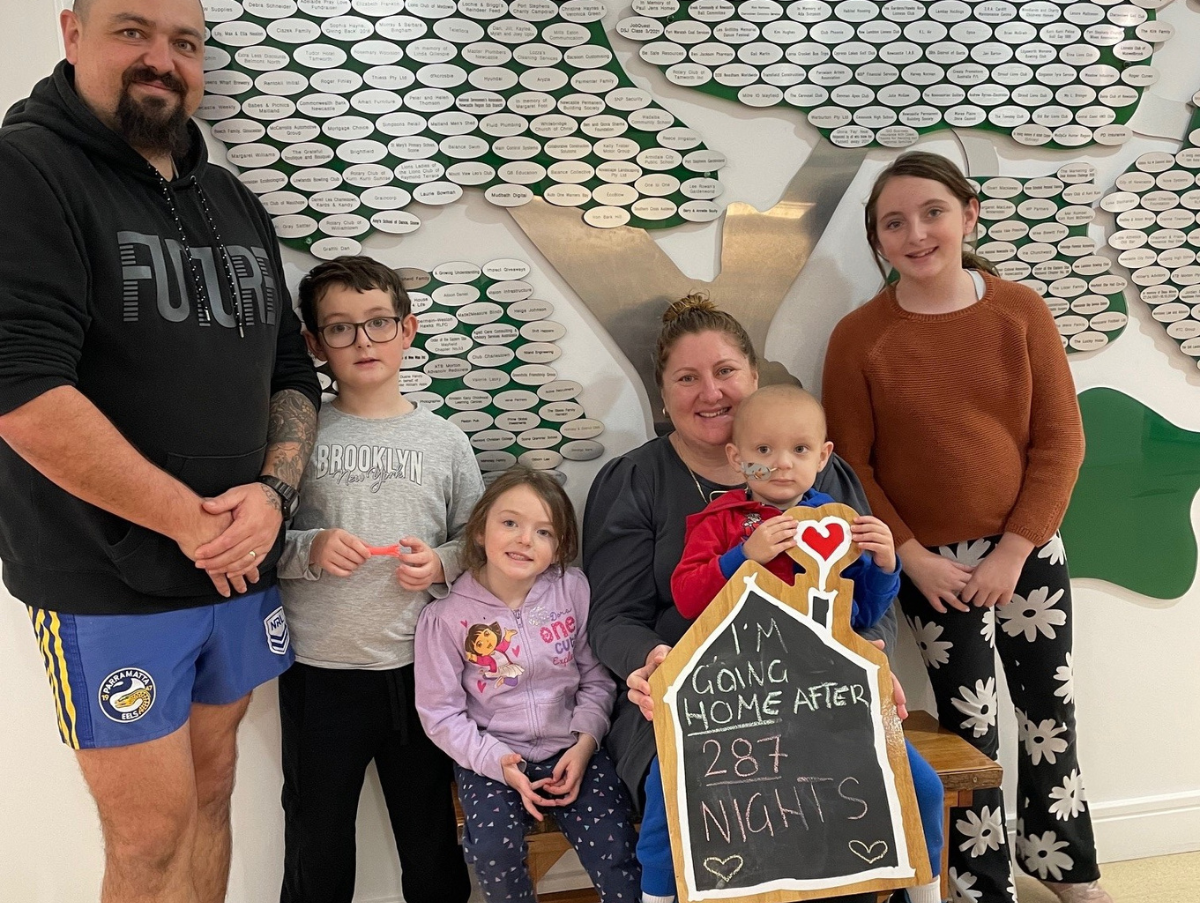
[127, 694]
[278, 638]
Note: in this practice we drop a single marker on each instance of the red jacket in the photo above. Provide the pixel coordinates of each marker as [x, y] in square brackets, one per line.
[712, 551]
[727, 522]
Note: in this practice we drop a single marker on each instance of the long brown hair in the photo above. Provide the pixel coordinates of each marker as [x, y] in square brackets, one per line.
[562, 516]
[693, 314]
[922, 165]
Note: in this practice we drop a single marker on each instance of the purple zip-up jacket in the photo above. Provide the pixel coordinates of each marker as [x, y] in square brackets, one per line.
[530, 683]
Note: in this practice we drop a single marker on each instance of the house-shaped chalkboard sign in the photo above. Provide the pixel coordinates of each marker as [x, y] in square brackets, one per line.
[782, 757]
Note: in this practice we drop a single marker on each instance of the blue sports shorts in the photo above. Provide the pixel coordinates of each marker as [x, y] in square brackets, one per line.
[124, 679]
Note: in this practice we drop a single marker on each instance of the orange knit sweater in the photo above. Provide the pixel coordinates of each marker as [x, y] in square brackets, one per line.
[959, 425]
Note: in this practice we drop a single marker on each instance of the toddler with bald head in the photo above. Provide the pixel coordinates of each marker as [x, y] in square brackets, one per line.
[779, 445]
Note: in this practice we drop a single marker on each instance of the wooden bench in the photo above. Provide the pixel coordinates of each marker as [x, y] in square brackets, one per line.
[546, 846]
[962, 768]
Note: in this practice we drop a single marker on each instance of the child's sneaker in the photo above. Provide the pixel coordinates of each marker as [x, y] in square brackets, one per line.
[1087, 892]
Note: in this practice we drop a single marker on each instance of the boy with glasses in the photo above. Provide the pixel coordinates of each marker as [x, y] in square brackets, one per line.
[382, 472]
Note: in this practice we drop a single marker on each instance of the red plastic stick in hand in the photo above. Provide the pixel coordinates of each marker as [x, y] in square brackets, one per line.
[395, 550]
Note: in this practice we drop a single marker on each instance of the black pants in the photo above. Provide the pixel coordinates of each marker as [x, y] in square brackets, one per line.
[1032, 634]
[334, 724]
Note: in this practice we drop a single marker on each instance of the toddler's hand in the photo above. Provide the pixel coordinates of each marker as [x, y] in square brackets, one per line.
[420, 567]
[338, 552]
[874, 536]
[568, 773]
[515, 778]
[770, 539]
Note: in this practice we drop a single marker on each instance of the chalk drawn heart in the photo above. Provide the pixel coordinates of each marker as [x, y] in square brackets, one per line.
[824, 543]
[481, 684]
[725, 868]
[867, 853]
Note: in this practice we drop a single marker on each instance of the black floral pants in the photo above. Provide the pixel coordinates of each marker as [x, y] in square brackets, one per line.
[1032, 633]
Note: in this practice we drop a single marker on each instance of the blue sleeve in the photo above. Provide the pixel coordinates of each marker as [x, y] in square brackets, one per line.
[874, 591]
[731, 561]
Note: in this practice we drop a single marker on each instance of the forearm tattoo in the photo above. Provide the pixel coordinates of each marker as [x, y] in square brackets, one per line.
[272, 498]
[291, 432]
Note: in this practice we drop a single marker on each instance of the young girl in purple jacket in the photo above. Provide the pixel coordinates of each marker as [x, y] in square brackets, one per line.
[509, 688]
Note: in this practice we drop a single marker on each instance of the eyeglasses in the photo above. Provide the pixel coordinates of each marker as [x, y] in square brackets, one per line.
[377, 329]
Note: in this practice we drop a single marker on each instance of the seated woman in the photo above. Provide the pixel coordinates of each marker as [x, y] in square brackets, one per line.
[633, 531]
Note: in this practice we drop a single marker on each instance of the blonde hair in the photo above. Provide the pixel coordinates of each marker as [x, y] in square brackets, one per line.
[692, 314]
[935, 168]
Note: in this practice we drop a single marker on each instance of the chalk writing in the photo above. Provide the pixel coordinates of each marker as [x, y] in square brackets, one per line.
[781, 774]
[780, 753]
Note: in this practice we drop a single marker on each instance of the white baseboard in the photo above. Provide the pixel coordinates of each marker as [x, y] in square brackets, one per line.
[1135, 828]
[1147, 826]
[1125, 829]
[1141, 827]
[567, 874]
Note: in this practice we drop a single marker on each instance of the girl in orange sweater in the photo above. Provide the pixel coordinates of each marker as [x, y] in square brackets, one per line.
[950, 396]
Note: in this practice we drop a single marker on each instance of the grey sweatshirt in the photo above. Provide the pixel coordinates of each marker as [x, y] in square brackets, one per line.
[412, 475]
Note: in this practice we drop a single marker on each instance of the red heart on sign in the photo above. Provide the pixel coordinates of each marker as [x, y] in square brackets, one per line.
[823, 544]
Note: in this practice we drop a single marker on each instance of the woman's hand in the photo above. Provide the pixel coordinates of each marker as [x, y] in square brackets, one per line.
[568, 773]
[639, 681]
[874, 536]
[770, 539]
[939, 579]
[515, 778]
[996, 576]
[898, 696]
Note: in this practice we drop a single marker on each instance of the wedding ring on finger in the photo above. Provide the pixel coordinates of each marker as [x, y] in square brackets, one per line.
[253, 554]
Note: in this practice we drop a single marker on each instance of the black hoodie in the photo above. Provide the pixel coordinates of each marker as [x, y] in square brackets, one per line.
[97, 291]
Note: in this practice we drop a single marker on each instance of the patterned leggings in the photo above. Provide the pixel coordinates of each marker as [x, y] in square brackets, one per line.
[598, 824]
[1032, 633]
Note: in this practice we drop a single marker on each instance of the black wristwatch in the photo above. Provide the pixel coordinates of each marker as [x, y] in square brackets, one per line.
[287, 494]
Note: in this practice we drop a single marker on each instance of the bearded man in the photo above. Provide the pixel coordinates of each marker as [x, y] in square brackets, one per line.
[157, 408]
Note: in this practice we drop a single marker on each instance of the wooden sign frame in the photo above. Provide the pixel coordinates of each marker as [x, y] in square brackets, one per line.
[824, 549]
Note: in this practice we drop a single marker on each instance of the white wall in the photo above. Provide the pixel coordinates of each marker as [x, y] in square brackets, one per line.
[1138, 673]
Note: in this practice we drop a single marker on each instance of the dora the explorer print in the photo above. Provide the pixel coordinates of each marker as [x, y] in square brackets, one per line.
[488, 646]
